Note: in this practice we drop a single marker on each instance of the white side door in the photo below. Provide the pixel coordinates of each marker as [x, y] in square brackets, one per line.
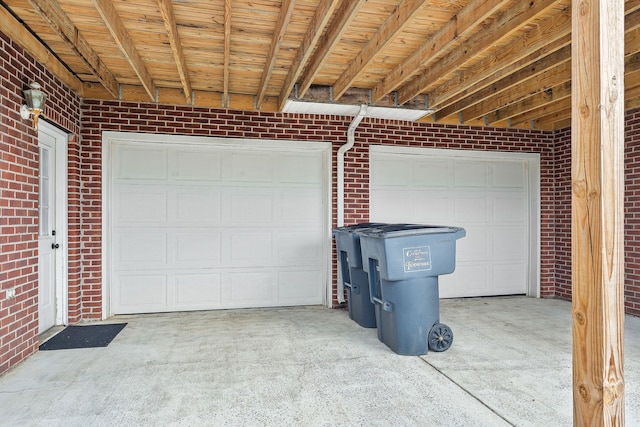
[52, 226]
[46, 232]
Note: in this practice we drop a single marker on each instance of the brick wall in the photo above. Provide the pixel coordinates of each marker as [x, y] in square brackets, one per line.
[99, 116]
[631, 212]
[19, 196]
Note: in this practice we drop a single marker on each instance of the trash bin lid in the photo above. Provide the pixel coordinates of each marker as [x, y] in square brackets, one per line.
[354, 227]
[403, 230]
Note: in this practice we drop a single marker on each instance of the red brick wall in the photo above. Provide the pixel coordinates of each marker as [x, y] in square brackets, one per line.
[19, 196]
[632, 213]
[101, 116]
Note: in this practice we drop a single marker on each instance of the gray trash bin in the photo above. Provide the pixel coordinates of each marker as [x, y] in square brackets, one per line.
[354, 279]
[403, 262]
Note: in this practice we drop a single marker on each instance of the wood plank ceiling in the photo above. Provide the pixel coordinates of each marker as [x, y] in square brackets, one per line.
[481, 62]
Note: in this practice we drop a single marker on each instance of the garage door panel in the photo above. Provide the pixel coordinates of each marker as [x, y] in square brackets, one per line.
[509, 243]
[248, 249]
[510, 207]
[247, 207]
[392, 173]
[469, 279]
[197, 205]
[475, 246]
[199, 226]
[300, 207]
[197, 290]
[249, 288]
[508, 174]
[487, 196]
[510, 278]
[140, 163]
[198, 165]
[141, 293]
[140, 204]
[296, 287]
[298, 170]
[433, 207]
[471, 174]
[197, 249]
[386, 204]
[140, 249]
[471, 208]
[299, 247]
[432, 173]
[251, 168]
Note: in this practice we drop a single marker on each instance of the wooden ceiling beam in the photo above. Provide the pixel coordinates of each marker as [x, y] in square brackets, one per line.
[396, 22]
[344, 15]
[122, 38]
[319, 21]
[286, 11]
[17, 32]
[558, 106]
[166, 9]
[507, 82]
[550, 35]
[531, 103]
[547, 79]
[468, 19]
[60, 23]
[226, 53]
[512, 20]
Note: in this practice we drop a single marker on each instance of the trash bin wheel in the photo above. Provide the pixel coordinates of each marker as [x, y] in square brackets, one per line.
[440, 337]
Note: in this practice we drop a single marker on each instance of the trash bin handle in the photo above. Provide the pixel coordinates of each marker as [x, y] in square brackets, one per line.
[346, 284]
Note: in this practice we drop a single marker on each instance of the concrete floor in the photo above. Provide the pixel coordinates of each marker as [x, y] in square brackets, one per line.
[510, 364]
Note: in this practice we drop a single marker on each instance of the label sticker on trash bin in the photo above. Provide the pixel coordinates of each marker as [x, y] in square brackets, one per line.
[416, 259]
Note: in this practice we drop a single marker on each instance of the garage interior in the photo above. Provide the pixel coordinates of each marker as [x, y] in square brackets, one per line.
[196, 156]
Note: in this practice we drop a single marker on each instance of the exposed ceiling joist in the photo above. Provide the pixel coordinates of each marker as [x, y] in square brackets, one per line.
[314, 32]
[14, 29]
[345, 14]
[514, 18]
[458, 26]
[166, 8]
[286, 11]
[401, 17]
[121, 36]
[67, 31]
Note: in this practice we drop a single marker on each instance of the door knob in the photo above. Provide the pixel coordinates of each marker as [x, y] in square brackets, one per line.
[55, 246]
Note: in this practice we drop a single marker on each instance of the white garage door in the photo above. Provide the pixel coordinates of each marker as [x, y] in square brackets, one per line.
[218, 225]
[489, 194]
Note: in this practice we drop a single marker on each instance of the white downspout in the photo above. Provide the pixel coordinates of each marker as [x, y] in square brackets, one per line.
[340, 191]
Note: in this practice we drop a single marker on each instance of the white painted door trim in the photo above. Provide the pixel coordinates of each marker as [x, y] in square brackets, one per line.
[61, 222]
[532, 161]
[109, 137]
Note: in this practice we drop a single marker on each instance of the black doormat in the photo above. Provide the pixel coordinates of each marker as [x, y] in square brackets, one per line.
[83, 337]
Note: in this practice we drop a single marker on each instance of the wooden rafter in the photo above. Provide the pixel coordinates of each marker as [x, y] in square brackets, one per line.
[122, 38]
[318, 23]
[540, 81]
[472, 15]
[344, 15]
[507, 82]
[166, 8]
[226, 53]
[514, 18]
[550, 35]
[14, 29]
[60, 23]
[401, 16]
[597, 215]
[286, 11]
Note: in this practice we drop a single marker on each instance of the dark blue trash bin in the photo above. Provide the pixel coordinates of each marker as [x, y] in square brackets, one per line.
[354, 279]
[403, 262]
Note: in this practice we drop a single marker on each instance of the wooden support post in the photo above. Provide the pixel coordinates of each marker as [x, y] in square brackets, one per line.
[597, 139]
